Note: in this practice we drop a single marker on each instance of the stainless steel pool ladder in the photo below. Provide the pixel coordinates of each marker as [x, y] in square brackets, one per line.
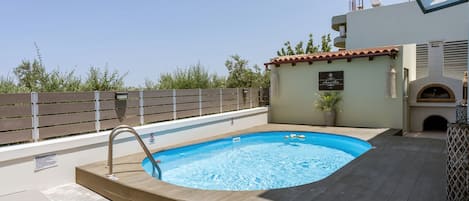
[122, 129]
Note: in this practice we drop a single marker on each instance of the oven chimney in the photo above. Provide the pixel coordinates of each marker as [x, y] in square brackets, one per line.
[435, 59]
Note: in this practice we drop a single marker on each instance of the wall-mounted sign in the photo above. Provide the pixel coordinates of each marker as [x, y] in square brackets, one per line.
[434, 5]
[45, 161]
[333, 80]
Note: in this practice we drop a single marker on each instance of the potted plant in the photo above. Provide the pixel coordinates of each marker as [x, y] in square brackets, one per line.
[328, 103]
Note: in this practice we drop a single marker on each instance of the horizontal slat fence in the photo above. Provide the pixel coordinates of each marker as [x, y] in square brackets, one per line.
[230, 100]
[249, 98]
[39, 116]
[256, 97]
[109, 115]
[158, 106]
[264, 96]
[187, 103]
[15, 118]
[62, 114]
[211, 101]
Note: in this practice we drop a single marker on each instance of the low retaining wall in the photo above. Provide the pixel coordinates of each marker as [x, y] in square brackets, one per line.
[25, 166]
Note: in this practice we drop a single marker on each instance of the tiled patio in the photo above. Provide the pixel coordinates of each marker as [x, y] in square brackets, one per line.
[399, 168]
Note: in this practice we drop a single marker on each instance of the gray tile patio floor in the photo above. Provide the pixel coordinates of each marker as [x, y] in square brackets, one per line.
[72, 192]
[398, 169]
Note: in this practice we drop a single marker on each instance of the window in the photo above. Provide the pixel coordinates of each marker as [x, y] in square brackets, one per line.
[434, 5]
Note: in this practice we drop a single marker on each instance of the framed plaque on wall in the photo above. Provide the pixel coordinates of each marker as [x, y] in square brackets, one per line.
[333, 80]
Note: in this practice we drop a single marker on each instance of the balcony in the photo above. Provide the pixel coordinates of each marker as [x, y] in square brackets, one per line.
[339, 42]
[337, 21]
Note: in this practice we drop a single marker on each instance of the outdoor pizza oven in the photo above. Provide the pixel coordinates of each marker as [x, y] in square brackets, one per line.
[436, 93]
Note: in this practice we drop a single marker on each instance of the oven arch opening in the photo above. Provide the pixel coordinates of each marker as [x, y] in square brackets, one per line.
[436, 93]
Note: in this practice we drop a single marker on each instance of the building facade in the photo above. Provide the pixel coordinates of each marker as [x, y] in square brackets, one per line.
[429, 71]
[441, 39]
[372, 90]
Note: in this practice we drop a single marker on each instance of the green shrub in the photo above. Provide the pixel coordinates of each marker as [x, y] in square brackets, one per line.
[328, 101]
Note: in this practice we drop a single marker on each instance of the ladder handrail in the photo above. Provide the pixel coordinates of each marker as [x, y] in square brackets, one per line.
[122, 129]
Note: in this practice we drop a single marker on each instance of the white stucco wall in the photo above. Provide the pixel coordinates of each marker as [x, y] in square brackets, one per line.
[409, 60]
[404, 24]
[366, 102]
[17, 164]
[409, 63]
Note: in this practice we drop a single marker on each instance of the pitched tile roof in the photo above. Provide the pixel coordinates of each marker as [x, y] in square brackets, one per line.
[329, 56]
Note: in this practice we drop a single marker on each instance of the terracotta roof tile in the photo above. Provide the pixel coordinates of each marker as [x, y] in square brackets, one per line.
[344, 54]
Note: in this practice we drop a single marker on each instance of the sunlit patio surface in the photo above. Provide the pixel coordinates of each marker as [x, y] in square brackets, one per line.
[397, 168]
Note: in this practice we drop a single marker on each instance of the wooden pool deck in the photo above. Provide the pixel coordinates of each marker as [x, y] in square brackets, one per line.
[399, 168]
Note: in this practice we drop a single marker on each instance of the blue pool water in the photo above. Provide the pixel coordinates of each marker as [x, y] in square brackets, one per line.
[257, 161]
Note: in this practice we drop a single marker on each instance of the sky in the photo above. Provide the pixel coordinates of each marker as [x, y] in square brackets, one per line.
[146, 38]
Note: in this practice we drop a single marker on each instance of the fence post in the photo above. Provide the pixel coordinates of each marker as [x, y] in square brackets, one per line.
[35, 119]
[140, 107]
[200, 102]
[259, 94]
[237, 98]
[174, 104]
[221, 100]
[97, 113]
[250, 97]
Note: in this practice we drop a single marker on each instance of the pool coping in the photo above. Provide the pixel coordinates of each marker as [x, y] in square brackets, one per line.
[135, 184]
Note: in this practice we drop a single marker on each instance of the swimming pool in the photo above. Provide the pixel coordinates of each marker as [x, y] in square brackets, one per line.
[258, 161]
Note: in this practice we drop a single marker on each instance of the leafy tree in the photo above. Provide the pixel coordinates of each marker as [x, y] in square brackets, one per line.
[61, 82]
[31, 75]
[262, 77]
[309, 48]
[326, 43]
[299, 48]
[217, 81]
[34, 77]
[241, 75]
[193, 77]
[8, 85]
[166, 81]
[103, 81]
[150, 85]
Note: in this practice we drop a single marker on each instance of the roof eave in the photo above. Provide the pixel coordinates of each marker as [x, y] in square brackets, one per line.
[391, 53]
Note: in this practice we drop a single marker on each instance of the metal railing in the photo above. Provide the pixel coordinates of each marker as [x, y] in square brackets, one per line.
[122, 129]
